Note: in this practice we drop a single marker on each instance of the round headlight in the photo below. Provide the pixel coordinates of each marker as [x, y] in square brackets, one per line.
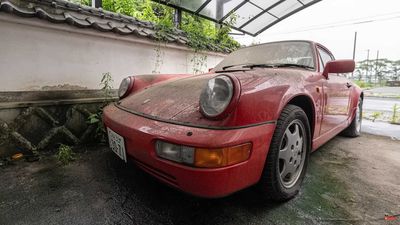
[125, 87]
[216, 96]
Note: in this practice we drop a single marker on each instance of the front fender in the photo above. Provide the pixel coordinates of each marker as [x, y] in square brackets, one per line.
[142, 81]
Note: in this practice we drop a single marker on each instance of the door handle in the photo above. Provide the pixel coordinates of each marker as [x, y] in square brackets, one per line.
[348, 85]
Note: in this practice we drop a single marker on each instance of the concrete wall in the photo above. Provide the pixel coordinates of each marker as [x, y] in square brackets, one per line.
[44, 68]
[35, 53]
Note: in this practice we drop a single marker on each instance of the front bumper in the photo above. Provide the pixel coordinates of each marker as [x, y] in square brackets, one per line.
[141, 134]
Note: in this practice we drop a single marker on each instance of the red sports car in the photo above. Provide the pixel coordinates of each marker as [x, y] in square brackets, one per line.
[254, 119]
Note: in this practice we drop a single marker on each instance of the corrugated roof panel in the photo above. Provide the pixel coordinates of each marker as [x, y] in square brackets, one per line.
[285, 7]
[259, 23]
[252, 16]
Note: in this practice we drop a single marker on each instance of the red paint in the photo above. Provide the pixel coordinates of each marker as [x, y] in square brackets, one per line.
[390, 218]
[142, 81]
[167, 108]
[339, 66]
[140, 136]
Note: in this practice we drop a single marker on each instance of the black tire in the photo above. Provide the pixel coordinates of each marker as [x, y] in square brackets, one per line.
[354, 129]
[271, 183]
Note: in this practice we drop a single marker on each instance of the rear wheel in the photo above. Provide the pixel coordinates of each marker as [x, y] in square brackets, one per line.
[354, 129]
[288, 155]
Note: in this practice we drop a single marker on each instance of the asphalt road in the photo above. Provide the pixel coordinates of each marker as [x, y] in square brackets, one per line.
[378, 104]
[386, 91]
[349, 181]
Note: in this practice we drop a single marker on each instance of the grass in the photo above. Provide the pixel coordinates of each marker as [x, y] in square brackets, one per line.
[395, 116]
[65, 155]
[363, 84]
[375, 115]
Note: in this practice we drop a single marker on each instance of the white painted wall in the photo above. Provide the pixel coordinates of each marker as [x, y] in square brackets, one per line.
[35, 53]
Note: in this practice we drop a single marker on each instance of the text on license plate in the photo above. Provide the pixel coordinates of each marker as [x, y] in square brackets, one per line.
[117, 143]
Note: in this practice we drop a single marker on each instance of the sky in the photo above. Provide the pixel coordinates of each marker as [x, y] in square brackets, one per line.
[322, 22]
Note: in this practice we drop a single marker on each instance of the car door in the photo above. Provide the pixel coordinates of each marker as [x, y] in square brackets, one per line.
[336, 91]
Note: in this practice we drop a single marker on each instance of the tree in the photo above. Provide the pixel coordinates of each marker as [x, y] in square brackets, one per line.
[200, 32]
[363, 68]
[378, 70]
[394, 69]
[381, 69]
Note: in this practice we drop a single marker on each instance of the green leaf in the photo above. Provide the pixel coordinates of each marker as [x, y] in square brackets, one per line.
[93, 120]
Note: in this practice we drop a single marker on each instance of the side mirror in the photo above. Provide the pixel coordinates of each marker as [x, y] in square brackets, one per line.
[209, 69]
[339, 66]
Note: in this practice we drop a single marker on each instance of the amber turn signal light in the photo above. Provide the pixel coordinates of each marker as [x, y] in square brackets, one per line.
[219, 157]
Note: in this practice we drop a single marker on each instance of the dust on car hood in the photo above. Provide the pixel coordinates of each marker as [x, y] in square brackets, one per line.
[178, 100]
[171, 100]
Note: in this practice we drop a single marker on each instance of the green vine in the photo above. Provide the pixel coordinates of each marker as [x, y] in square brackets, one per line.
[202, 34]
[199, 62]
[162, 30]
[95, 119]
[106, 86]
[159, 58]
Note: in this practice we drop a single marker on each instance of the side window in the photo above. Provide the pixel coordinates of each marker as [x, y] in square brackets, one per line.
[321, 64]
[324, 56]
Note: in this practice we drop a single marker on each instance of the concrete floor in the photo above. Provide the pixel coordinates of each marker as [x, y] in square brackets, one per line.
[381, 128]
[349, 181]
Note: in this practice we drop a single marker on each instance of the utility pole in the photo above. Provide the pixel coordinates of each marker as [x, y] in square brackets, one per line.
[368, 77]
[376, 65]
[354, 50]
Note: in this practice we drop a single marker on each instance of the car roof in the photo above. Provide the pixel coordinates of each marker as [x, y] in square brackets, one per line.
[308, 41]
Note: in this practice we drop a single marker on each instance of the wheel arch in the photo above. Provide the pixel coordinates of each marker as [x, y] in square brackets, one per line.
[357, 94]
[307, 105]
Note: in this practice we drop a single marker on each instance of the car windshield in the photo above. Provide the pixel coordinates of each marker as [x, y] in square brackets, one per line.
[289, 54]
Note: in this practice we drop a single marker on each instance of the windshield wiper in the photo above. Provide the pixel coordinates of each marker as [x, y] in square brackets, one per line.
[226, 67]
[262, 65]
[293, 65]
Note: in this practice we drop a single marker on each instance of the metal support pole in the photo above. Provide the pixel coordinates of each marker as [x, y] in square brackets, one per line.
[97, 3]
[354, 50]
[177, 18]
[376, 65]
[369, 78]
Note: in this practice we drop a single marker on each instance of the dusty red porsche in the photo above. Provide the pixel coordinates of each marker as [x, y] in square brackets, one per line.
[254, 119]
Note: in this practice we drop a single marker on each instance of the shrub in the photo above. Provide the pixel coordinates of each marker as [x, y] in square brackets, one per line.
[65, 155]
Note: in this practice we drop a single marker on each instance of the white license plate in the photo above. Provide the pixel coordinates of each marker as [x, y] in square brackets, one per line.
[117, 144]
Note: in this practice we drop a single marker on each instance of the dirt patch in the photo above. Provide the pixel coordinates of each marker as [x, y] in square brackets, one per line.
[349, 181]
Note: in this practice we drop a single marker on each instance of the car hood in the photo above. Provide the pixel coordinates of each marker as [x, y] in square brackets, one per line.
[178, 100]
[170, 100]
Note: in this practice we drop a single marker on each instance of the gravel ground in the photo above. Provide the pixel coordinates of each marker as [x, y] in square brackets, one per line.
[349, 181]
